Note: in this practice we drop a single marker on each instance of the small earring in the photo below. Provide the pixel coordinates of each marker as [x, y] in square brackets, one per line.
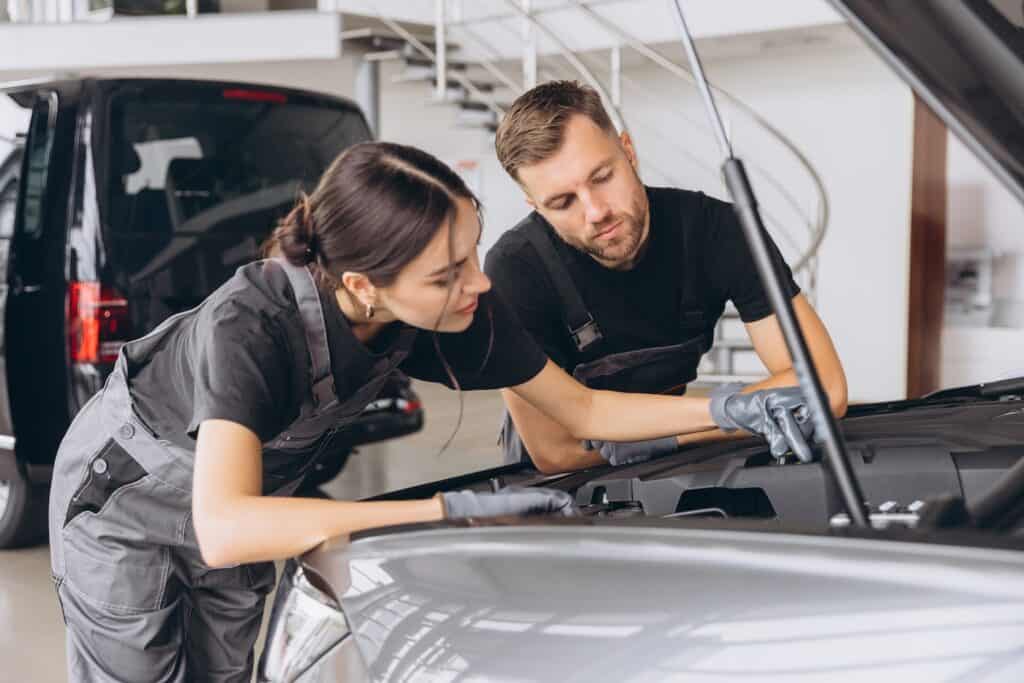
[369, 311]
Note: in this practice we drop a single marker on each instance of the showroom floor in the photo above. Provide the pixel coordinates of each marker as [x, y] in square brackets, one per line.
[31, 631]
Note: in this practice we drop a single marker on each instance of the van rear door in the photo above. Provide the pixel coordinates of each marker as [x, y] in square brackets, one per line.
[35, 363]
[200, 173]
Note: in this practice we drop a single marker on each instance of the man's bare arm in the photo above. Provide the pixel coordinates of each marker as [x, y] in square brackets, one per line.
[770, 345]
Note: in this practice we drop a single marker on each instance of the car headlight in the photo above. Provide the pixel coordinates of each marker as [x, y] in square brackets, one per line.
[307, 624]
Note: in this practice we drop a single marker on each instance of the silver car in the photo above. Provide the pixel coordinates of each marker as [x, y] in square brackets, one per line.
[719, 562]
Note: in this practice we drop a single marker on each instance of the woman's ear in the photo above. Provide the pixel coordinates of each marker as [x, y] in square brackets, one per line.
[360, 287]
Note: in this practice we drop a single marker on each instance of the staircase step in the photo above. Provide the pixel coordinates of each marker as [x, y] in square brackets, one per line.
[737, 344]
[477, 118]
[482, 86]
[383, 40]
[424, 70]
[477, 105]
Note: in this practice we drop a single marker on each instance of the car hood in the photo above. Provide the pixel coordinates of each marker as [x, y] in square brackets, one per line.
[965, 59]
[633, 602]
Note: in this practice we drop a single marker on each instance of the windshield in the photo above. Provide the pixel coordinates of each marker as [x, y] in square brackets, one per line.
[199, 177]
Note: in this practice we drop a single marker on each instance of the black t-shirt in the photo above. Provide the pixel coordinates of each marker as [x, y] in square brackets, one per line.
[241, 356]
[696, 260]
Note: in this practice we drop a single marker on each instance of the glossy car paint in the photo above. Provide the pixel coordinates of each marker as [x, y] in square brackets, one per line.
[565, 602]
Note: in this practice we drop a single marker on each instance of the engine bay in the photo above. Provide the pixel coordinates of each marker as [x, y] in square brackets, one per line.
[903, 454]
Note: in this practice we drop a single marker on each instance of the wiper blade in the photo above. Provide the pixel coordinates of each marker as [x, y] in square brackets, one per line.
[745, 205]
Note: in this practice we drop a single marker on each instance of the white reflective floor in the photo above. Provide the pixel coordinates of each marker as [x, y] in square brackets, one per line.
[31, 630]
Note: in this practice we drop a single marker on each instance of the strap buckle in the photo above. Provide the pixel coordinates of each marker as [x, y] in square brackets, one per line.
[586, 335]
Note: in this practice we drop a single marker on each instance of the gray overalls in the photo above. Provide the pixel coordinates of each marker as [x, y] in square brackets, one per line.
[138, 600]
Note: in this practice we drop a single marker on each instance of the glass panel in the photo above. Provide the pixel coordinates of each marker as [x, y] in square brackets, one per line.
[14, 122]
[199, 179]
[40, 143]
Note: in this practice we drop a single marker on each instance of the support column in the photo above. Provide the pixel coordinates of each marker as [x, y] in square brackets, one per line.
[927, 252]
[367, 92]
[529, 48]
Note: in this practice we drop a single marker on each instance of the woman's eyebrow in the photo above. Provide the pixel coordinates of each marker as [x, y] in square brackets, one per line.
[444, 269]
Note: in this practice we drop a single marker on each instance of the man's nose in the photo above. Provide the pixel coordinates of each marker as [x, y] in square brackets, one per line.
[596, 209]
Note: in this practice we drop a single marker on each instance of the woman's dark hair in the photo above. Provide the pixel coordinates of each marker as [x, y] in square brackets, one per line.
[374, 210]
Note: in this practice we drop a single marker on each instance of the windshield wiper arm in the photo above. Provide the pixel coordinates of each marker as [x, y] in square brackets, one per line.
[745, 205]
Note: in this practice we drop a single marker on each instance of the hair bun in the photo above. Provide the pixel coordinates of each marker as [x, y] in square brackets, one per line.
[296, 234]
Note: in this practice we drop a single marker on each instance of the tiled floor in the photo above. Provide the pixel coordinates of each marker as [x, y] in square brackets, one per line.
[31, 631]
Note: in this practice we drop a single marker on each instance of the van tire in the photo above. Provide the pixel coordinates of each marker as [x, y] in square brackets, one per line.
[23, 517]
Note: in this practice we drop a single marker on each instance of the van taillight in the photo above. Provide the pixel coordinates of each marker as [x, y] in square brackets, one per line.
[254, 95]
[98, 322]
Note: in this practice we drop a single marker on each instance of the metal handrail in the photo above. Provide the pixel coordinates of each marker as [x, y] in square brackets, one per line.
[684, 73]
[573, 59]
[489, 65]
[806, 257]
[816, 225]
[429, 54]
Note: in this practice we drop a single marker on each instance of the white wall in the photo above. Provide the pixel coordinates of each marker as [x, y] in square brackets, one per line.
[983, 213]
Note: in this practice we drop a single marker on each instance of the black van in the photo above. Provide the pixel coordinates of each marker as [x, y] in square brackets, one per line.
[123, 201]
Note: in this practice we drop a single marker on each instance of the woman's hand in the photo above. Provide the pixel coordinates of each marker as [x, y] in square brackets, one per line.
[509, 501]
[235, 523]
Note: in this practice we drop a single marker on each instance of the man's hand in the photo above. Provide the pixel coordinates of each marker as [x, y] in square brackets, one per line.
[781, 416]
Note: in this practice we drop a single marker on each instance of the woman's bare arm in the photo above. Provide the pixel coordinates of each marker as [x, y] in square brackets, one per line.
[236, 524]
[612, 416]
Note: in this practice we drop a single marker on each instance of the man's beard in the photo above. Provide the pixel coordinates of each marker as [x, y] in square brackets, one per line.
[625, 247]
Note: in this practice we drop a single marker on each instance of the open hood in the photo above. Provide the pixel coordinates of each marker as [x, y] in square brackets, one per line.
[965, 58]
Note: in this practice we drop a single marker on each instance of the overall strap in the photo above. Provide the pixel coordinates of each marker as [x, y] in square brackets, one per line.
[582, 327]
[307, 298]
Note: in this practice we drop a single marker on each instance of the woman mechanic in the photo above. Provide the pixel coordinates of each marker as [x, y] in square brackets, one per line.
[169, 499]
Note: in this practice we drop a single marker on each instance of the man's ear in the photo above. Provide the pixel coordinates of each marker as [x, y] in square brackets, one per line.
[526, 195]
[360, 287]
[627, 146]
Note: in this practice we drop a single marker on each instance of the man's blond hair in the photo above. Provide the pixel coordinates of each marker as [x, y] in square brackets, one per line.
[533, 129]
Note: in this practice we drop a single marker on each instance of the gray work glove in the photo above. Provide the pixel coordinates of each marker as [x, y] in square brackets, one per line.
[509, 501]
[632, 452]
[781, 416]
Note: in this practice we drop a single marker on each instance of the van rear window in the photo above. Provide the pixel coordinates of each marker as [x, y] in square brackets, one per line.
[197, 184]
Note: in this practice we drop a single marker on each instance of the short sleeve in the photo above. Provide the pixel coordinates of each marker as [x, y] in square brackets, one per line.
[523, 284]
[730, 265]
[494, 352]
[241, 371]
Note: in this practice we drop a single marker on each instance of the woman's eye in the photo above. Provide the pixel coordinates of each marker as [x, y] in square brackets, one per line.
[447, 281]
[605, 178]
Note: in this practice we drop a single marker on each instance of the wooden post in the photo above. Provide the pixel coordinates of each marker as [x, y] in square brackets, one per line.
[927, 252]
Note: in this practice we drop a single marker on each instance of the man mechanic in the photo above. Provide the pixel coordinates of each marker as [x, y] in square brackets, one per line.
[622, 284]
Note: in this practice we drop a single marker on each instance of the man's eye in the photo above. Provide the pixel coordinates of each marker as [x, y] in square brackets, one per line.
[564, 204]
[605, 178]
